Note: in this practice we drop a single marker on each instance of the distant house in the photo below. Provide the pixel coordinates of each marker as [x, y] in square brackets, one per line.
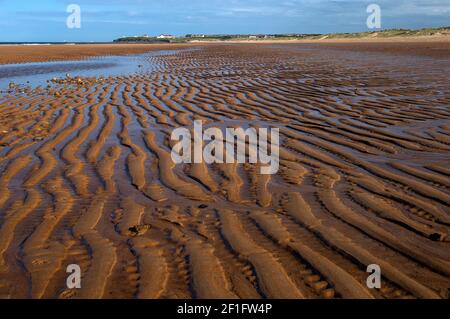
[166, 36]
[252, 37]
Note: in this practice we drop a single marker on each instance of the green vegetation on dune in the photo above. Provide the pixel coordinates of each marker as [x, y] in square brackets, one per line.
[388, 33]
[142, 40]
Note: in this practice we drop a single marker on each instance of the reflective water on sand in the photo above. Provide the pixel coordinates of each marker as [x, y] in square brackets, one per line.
[35, 74]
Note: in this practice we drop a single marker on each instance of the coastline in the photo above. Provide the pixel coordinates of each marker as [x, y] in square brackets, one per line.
[14, 54]
[372, 39]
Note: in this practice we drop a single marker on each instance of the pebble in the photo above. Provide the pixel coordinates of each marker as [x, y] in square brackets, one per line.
[312, 278]
[328, 293]
[138, 230]
[319, 286]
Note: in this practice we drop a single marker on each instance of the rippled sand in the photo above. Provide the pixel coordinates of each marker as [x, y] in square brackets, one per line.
[42, 53]
[86, 178]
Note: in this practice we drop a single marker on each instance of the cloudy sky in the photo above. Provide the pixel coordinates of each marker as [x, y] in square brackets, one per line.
[105, 20]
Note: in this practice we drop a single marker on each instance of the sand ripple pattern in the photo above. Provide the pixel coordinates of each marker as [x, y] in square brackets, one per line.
[86, 178]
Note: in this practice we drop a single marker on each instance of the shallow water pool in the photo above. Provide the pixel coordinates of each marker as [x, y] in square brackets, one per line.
[37, 73]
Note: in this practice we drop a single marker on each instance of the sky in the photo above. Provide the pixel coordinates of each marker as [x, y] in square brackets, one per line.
[105, 20]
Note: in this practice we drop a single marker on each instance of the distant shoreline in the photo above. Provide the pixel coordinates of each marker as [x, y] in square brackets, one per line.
[54, 43]
[428, 34]
[291, 37]
[433, 38]
[23, 53]
[323, 39]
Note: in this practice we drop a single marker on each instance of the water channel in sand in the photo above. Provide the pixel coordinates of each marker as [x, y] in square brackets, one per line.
[38, 73]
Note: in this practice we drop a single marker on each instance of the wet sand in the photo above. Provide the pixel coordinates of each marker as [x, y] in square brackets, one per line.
[86, 178]
[41, 53]
[435, 49]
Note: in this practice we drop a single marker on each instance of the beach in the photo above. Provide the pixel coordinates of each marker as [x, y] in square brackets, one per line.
[87, 178]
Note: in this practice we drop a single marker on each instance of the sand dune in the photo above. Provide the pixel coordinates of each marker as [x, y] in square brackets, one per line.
[87, 178]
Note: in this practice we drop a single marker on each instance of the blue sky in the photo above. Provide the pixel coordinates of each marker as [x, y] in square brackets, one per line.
[105, 20]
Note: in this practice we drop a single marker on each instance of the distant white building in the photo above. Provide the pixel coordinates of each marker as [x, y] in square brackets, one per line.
[166, 36]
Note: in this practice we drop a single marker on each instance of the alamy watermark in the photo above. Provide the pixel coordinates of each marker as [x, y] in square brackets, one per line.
[235, 145]
[374, 18]
[73, 281]
[73, 21]
[374, 279]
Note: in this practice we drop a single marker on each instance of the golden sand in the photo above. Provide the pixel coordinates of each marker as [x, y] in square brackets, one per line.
[86, 177]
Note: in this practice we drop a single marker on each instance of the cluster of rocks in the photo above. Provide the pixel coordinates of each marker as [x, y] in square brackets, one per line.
[67, 80]
[78, 80]
[17, 88]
